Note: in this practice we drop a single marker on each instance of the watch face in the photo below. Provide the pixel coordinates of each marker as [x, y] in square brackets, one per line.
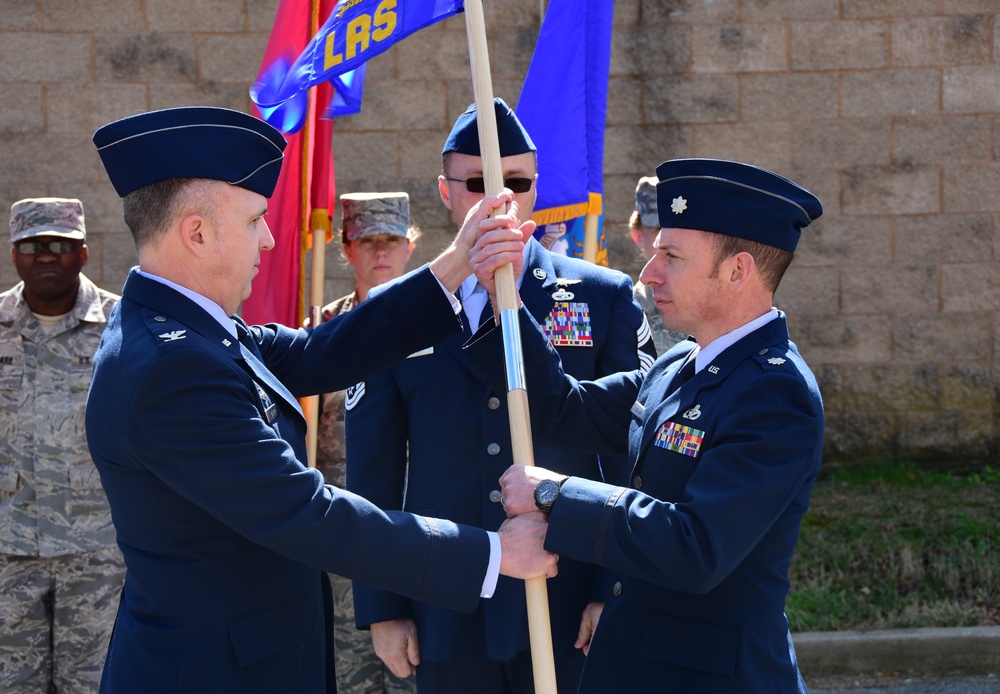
[546, 493]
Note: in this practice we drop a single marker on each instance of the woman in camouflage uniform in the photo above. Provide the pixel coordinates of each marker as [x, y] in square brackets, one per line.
[377, 241]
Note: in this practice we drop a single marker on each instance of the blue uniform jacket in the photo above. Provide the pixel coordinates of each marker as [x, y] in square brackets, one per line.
[225, 533]
[702, 539]
[458, 429]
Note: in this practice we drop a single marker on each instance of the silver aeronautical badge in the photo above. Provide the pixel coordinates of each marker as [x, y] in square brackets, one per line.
[562, 294]
[693, 413]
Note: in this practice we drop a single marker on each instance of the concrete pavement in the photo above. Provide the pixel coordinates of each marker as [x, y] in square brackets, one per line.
[895, 656]
[908, 685]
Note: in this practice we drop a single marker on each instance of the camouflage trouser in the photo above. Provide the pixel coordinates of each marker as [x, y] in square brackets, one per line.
[359, 670]
[56, 616]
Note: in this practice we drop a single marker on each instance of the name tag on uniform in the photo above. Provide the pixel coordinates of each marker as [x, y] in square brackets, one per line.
[679, 438]
[271, 413]
[270, 408]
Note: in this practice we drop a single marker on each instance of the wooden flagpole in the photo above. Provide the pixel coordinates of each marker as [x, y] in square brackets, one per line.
[590, 237]
[539, 629]
[318, 270]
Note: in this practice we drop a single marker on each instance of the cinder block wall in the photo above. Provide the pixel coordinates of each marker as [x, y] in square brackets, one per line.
[889, 110]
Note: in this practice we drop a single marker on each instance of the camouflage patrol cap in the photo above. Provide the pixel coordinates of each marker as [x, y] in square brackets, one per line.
[645, 202]
[366, 214]
[61, 217]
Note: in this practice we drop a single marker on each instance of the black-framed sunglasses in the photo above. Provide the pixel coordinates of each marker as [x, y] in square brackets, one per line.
[477, 184]
[36, 247]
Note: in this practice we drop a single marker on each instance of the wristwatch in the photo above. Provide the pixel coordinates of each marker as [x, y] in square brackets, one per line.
[546, 493]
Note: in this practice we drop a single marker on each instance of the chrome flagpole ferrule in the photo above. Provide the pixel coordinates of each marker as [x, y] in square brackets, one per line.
[512, 352]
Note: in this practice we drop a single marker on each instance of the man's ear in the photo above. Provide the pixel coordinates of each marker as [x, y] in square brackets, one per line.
[192, 229]
[444, 191]
[742, 267]
[84, 255]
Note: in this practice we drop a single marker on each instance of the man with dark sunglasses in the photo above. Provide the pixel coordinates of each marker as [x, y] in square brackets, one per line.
[60, 569]
[477, 184]
[456, 431]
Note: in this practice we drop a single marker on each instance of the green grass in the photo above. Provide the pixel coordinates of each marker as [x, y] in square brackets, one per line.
[891, 545]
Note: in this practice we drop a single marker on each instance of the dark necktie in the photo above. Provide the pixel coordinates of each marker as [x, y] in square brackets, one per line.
[252, 356]
[246, 339]
[685, 373]
[487, 312]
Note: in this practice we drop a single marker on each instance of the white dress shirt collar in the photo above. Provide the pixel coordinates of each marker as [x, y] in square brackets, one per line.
[706, 354]
[212, 308]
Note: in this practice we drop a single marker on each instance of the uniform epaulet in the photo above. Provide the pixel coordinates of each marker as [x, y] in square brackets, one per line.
[774, 358]
[165, 330]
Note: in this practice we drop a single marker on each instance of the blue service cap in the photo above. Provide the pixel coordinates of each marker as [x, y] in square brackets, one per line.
[191, 142]
[464, 137]
[736, 199]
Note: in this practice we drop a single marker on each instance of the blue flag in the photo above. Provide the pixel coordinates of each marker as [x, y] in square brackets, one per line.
[356, 31]
[348, 90]
[563, 105]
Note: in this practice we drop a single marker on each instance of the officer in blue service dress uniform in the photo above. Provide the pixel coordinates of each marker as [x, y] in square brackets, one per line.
[725, 436]
[433, 427]
[193, 423]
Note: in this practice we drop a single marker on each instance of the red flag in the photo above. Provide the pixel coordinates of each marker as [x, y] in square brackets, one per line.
[303, 198]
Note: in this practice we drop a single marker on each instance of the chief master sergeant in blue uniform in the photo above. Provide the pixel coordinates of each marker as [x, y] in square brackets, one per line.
[432, 426]
[193, 423]
[725, 436]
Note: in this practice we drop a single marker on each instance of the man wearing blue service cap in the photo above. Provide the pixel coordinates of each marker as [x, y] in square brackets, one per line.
[724, 435]
[430, 435]
[193, 423]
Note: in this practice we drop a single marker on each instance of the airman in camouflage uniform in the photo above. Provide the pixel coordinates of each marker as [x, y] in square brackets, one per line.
[644, 225]
[377, 241]
[60, 570]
